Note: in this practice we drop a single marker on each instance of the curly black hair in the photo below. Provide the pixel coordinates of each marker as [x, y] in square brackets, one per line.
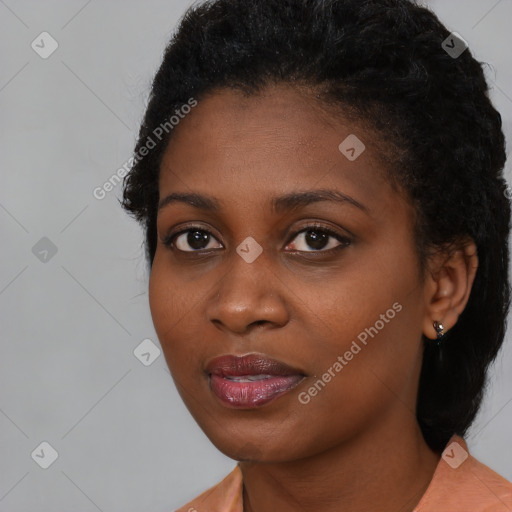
[382, 62]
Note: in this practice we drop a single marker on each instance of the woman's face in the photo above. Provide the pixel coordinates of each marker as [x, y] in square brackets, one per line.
[343, 309]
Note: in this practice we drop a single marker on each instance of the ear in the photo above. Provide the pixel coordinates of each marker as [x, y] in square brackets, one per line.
[448, 286]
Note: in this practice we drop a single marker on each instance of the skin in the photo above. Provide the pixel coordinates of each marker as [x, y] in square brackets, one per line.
[357, 442]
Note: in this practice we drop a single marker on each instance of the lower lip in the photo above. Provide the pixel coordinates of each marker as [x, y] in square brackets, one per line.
[252, 394]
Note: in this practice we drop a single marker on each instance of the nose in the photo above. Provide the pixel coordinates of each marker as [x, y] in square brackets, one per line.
[249, 295]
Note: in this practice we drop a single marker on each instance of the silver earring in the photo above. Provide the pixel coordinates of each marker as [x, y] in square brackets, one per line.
[440, 331]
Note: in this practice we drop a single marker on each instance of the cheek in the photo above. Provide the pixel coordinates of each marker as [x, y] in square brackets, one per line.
[171, 299]
[171, 311]
[162, 302]
[365, 288]
[367, 367]
[369, 315]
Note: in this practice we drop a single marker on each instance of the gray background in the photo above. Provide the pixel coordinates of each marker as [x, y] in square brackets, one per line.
[70, 324]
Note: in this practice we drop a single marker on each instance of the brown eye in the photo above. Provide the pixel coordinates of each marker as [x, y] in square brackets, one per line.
[193, 240]
[318, 239]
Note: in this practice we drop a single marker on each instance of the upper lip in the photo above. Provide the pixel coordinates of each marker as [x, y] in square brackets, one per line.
[251, 364]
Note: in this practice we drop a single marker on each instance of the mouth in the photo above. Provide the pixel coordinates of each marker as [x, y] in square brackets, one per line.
[246, 382]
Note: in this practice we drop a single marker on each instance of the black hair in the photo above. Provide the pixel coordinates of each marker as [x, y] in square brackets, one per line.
[383, 63]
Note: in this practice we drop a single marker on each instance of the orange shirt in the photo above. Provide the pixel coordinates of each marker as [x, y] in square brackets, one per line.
[460, 484]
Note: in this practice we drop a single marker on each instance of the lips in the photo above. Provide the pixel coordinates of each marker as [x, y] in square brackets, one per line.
[250, 381]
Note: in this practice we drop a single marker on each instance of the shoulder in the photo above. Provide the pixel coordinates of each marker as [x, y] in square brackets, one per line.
[461, 483]
[226, 496]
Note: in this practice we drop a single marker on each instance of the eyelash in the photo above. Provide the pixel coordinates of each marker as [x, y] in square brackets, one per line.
[344, 240]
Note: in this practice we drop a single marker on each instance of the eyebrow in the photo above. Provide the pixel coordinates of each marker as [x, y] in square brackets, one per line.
[288, 202]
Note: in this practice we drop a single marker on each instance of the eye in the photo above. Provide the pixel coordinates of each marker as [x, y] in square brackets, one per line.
[316, 238]
[313, 238]
[196, 238]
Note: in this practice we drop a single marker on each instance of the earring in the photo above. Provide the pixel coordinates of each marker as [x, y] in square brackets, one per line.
[440, 332]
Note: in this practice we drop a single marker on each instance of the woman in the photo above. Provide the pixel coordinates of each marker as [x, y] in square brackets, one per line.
[326, 222]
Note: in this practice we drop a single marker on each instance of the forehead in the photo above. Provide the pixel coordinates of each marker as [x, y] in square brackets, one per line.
[248, 148]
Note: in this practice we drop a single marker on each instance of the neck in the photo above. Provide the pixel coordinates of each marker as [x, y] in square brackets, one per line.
[389, 470]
